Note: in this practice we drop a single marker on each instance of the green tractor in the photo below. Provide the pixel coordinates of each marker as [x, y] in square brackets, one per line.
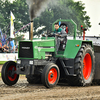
[41, 63]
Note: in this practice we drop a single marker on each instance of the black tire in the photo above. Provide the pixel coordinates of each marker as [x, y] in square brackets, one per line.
[33, 79]
[50, 75]
[84, 72]
[6, 71]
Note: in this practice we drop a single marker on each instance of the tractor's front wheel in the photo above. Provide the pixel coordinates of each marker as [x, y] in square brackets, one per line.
[8, 73]
[84, 66]
[50, 75]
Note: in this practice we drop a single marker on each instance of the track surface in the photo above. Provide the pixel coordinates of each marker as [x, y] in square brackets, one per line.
[24, 91]
[0, 68]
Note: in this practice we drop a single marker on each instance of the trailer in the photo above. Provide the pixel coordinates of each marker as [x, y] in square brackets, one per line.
[76, 61]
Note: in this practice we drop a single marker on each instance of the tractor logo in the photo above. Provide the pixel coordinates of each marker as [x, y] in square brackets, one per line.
[26, 48]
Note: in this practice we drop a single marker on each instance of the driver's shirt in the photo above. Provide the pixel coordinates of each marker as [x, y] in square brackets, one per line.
[57, 31]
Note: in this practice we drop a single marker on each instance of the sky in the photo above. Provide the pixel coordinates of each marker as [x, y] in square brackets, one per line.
[93, 10]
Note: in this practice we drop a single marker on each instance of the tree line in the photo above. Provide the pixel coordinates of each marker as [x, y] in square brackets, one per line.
[62, 9]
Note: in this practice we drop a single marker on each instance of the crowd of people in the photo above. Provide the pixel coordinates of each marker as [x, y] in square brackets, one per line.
[9, 47]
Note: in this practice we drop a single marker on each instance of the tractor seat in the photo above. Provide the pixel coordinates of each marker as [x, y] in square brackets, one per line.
[63, 42]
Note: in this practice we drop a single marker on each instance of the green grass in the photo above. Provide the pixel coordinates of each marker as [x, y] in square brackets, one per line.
[2, 62]
[0, 74]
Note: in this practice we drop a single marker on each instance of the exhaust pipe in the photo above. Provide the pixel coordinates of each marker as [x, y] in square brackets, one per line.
[31, 31]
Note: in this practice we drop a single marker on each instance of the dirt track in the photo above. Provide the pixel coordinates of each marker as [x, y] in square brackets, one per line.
[24, 91]
[0, 68]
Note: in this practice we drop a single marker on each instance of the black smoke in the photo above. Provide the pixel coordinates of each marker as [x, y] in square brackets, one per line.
[36, 7]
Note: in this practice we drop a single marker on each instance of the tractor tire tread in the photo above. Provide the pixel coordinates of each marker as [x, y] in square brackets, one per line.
[78, 80]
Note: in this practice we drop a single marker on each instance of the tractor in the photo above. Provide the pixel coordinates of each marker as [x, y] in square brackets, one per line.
[39, 61]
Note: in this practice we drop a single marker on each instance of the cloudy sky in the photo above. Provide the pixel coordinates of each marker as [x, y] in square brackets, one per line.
[93, 10]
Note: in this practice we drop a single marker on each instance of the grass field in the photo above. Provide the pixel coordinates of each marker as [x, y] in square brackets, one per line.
[2, 62]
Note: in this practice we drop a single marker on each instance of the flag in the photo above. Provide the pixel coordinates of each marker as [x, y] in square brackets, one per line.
[12, 25]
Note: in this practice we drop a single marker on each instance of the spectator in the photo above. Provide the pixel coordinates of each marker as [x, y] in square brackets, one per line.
[5, 48]
[1, 51]
[0, 44]
[12, 46]
[16, 48]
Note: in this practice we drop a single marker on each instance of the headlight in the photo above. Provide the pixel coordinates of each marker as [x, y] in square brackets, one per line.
[18, 61]
[31, 62]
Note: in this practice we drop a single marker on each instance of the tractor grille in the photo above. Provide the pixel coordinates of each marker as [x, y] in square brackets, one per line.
[25, 50]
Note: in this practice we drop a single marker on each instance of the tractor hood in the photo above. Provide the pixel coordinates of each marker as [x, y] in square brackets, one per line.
[49, 42]
[36, 49]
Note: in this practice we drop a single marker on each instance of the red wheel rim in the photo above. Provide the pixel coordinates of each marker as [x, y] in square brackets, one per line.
[87, 66]
[52, 76]
[15, 75]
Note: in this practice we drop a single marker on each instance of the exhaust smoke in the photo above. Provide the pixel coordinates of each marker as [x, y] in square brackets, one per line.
[35, 9]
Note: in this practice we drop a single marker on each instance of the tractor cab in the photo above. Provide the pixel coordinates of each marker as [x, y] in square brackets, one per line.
[64, 26]
[63, 41]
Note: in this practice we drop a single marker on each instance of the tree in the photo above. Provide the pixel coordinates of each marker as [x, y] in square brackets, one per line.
[2, 21]
[65, 9]
[20, 11]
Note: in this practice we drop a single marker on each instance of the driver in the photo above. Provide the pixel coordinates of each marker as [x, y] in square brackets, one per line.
[61, 35]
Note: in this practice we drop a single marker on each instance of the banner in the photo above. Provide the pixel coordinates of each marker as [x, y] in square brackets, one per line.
[8, 57]
[12, 25]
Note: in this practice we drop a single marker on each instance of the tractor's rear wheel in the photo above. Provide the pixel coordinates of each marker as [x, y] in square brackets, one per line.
[33, 79]
[8, 73]
[84, 66]
[50, 75]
